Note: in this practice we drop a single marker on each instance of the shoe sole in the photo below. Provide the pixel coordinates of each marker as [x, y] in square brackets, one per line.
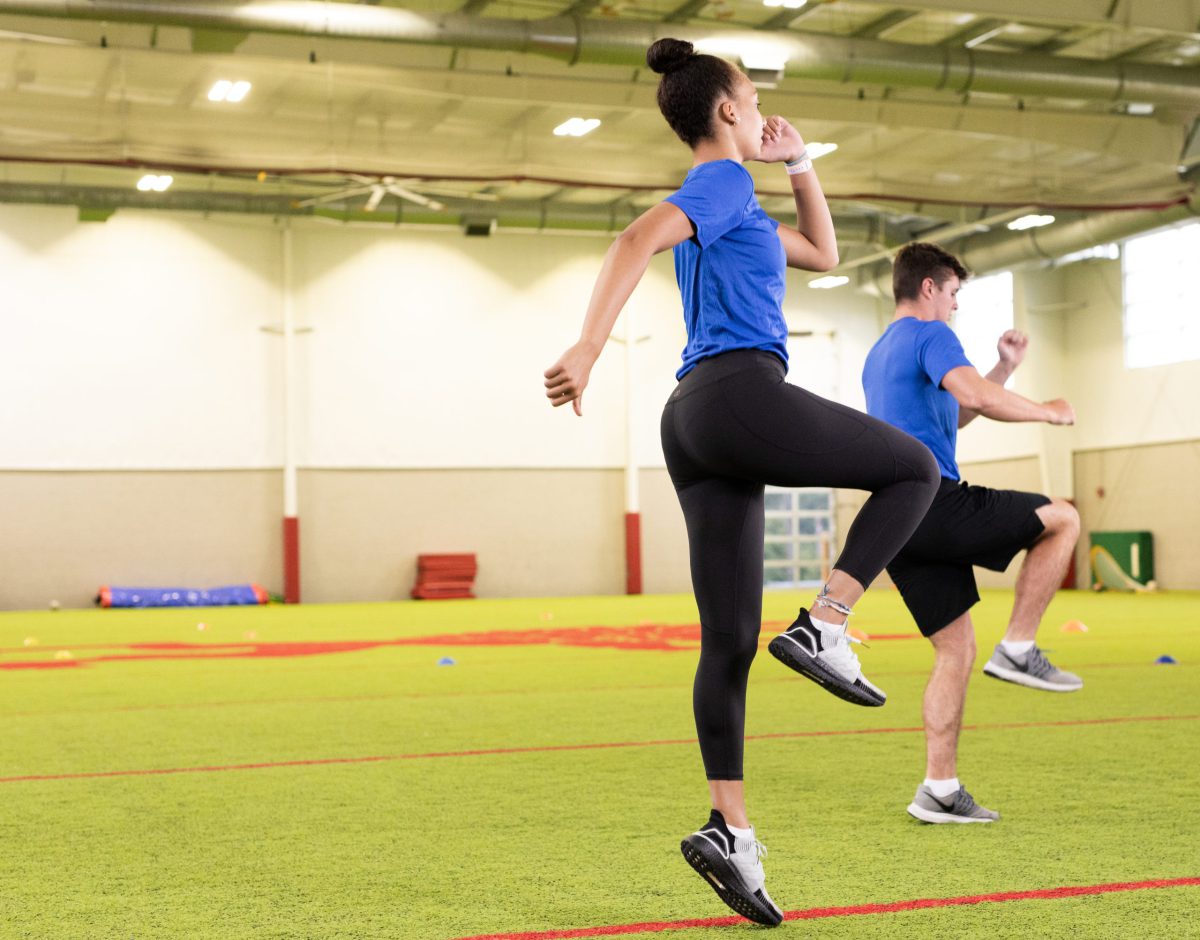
[721, 876]
[794, 656]
[1021, 678]
[925, 815]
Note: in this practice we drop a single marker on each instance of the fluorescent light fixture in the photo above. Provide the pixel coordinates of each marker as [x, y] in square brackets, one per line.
[238, 92]
[984, 37]
[786, 4]
[818, 149]
[150, 183]
[225, 90]
[1139, 108]
[1109, 252]
[832, 280]
[576, 127]
[1030, 221]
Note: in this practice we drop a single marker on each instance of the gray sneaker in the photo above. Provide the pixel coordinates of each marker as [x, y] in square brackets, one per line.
[1032, 669]
[958, 807]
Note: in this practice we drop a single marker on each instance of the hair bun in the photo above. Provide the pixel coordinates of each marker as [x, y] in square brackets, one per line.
[667, 55]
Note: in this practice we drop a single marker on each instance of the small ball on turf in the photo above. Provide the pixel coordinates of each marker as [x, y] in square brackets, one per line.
[201, 626]
[54, 605]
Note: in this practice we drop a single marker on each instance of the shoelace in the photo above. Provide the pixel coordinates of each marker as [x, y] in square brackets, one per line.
[1037, 664]
[963, 801]
[750, 845]
[840, 656]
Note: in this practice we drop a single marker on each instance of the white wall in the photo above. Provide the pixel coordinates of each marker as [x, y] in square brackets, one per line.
[1121, 407]
[135, 343]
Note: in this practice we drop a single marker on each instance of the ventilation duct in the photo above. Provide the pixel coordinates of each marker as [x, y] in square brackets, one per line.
[987, 253]
[576, 39]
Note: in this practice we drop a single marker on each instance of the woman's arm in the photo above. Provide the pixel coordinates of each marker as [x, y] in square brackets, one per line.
[657, 229]
[812, 244]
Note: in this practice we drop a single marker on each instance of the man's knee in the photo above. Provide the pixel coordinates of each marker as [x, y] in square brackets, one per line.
[954, 644]
[1059, 516]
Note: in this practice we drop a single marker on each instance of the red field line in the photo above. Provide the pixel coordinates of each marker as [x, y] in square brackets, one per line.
[858, 910]
[544, 748]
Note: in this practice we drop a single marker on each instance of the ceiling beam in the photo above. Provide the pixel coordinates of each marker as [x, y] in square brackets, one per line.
[685, 11]
[788, 18]
[1168, 16]
[877, 27]
[571, 39]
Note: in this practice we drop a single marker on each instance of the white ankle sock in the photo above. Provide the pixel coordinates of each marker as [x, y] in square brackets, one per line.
[1017, 649]
[826, 625]
[741, 833]
[942, 788]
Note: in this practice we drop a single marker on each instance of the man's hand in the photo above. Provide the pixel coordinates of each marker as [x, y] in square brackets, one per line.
[1061, 411]
[567, 378]
[1011, 348]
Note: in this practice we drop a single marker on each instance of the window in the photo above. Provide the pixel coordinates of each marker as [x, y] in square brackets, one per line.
[799, 544]
[985, 311]
[1162, 323]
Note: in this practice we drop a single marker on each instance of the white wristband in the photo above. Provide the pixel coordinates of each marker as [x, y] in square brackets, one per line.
[800, 166]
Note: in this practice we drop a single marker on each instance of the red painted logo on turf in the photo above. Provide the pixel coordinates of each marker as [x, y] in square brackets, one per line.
[646, 636]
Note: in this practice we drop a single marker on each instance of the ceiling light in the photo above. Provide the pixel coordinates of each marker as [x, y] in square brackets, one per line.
[832, 280]
[1110, 252]
[576, 127]
[1030, 221]
[786, 4]
[157, 184]
[225, 90]
[1139, 108]
[238, 92]
[817, 149]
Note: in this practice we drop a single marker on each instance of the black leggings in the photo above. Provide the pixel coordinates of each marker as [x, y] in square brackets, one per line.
[731, 426]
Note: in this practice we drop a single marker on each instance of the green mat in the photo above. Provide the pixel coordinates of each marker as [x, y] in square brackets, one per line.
[313, 772]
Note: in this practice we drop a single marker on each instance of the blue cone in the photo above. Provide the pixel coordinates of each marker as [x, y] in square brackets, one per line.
[447, 661]
[1166, 660]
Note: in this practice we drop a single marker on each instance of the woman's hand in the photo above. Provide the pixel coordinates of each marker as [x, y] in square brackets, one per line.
[780, 141]
[567, 378]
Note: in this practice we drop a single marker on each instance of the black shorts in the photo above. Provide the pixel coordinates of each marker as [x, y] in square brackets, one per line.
[965, 526]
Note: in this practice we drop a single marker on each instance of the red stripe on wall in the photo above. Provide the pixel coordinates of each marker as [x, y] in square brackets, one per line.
[291, 559]
[815, 913]
[633, 553]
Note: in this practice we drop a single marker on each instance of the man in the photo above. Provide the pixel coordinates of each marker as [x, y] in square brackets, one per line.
[917, 378]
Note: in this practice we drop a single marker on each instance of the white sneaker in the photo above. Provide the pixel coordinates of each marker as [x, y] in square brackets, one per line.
[733, 868]
[825, 657]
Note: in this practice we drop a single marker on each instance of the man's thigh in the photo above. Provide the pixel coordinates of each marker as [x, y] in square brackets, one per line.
[976, 525]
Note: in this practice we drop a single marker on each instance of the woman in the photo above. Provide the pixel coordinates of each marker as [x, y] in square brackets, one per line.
[732, 425]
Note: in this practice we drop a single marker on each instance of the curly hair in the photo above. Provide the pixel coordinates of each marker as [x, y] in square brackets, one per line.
[691, 85]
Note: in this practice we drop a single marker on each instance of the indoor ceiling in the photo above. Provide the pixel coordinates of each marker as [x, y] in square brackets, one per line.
[950, 116]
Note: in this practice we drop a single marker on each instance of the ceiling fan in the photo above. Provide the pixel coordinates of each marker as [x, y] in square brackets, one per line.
[376, 189]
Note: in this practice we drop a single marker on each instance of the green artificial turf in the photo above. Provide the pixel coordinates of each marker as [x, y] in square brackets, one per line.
[557, 837]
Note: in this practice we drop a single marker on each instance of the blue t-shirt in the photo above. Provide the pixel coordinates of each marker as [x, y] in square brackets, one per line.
[731, 272]
[903, 381]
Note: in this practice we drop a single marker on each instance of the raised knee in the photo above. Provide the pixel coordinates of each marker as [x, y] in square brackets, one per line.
[924, 465]
[1060, 516]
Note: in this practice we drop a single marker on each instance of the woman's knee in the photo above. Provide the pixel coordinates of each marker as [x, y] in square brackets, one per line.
[921, 464]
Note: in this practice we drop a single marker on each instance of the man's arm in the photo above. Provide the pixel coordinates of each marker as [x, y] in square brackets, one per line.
[1001, 373]
[975, 393]
[1011, 349]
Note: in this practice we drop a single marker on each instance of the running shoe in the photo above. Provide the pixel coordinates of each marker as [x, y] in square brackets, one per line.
[1031, 668]
[733, 868]
[958, 807]
[825, 657]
